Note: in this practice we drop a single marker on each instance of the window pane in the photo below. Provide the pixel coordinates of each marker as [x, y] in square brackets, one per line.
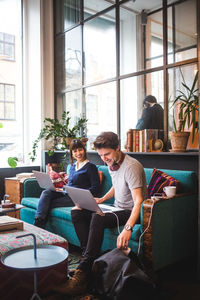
[130, 57]
[9, 111]
[2, 96]
[1, 110]
[70, 102]
[9, 93]
[94, 6]
[9, 51]
[68, 63]
[100, 48]
[154, 40]
[132, 97]
[101, 109]
[9, 38]
[135, 26]
[154, 86]
[1, 48]
[182, 31]
[67, 14]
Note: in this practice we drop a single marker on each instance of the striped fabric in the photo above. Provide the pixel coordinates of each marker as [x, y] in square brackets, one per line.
[159, 180]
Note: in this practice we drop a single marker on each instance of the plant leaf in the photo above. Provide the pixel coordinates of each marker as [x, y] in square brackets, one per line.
[12, 161]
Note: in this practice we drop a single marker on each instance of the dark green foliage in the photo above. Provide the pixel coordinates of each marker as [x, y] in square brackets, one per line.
[188, 105]
[57, 131]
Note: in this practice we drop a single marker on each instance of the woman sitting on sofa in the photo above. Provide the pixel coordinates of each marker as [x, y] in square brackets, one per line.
[83, 174]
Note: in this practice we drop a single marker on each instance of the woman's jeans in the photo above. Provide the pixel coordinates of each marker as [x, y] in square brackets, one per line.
[50, 199]
[89, 227]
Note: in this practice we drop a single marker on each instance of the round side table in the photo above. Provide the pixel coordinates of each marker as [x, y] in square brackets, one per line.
[33, 259]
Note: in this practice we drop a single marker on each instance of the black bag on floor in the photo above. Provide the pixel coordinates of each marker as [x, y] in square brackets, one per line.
[120, 276]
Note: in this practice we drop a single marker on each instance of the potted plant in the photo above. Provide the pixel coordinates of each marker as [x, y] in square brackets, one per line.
[187, 106]
[59, 132]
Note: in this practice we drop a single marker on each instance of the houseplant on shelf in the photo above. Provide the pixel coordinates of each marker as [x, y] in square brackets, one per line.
[187, 107]
[59, 132]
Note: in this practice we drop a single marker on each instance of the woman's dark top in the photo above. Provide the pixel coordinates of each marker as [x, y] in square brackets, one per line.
[152, 118]
[86, 177]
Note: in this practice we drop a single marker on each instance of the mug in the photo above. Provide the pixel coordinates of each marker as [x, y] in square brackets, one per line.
[5, 201]
[170, 191]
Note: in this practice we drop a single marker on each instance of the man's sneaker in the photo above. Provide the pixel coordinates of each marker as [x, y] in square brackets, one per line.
[74, 286]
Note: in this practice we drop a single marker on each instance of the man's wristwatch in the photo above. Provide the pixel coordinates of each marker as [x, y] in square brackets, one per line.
[128, 227]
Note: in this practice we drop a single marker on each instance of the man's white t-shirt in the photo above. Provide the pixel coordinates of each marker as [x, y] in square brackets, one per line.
[129, 176]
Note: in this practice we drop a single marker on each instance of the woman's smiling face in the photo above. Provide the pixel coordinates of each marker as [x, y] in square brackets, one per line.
[79, 154]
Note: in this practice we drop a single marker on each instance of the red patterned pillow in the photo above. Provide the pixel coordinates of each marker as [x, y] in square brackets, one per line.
[59, 179]
[159, 180]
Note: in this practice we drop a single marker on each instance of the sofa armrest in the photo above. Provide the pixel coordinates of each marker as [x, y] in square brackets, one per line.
[172, 219]
[32, 188]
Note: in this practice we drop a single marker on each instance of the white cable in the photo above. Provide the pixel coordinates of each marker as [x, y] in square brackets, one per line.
[111, 212]
[150, 217]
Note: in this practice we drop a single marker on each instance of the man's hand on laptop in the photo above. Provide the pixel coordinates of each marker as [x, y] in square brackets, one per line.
[99, 200]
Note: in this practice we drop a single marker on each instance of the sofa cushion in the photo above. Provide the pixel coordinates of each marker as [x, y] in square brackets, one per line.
[30, 202]
[61, 213]
[159, 180]
[106, 183]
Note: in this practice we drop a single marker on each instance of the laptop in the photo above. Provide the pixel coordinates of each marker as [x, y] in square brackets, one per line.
[45, 181]
[84, 199]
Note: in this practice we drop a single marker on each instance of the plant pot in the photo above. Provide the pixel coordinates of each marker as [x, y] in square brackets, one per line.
[68, 141]
[179, 141]
[84, 140]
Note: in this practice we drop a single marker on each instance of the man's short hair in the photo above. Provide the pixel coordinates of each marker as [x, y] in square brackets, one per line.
[106, 139]
[150, 99]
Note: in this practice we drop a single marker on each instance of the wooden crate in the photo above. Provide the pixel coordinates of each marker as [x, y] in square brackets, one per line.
[14, 188]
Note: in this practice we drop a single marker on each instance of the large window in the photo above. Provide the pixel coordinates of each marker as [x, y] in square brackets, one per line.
[127, 50]
[11, 135]
[20, 79]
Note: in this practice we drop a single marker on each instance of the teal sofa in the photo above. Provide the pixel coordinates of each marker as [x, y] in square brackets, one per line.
[171, 235]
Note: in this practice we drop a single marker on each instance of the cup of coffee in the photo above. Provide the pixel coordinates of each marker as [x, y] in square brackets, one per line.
[170, 191]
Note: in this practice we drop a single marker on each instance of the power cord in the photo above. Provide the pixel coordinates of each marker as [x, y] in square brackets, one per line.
[149, 222]
[111, 212]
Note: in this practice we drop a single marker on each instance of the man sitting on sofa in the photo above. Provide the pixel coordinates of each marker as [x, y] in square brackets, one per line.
[129, 190]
